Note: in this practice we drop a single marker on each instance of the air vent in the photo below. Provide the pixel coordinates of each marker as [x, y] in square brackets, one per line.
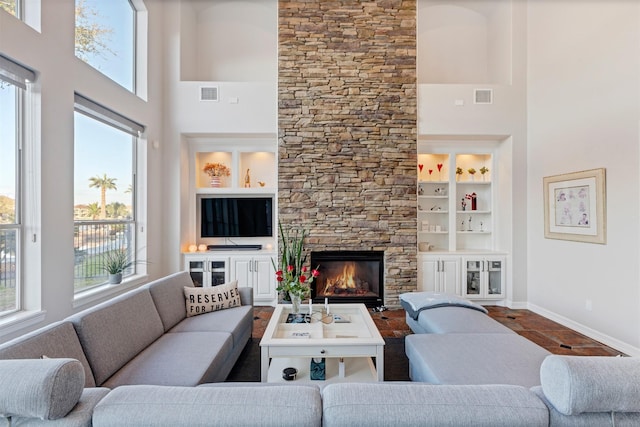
[209, 93]
[483, 96]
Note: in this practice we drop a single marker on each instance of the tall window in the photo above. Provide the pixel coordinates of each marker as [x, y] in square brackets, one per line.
[106, 38]
[104, 192]
[13, 83]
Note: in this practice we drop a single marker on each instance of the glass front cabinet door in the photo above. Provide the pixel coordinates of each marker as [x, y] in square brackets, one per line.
[484, 277]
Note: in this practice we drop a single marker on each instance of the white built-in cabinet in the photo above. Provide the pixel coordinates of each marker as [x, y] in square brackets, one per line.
[252, 270]
[483, 276]
[439, 274]
[457, 218]
[256, 272]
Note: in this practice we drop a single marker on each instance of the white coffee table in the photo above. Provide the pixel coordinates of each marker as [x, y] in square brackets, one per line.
[347, 347]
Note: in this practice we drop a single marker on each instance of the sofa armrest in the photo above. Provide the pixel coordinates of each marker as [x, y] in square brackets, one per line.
[579, 384]
[40, 388]
[246, 295]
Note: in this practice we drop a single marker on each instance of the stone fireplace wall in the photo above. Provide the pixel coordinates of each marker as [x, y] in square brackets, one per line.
[347, 129]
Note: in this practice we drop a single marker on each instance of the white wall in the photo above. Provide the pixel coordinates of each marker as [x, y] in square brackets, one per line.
[49, 271]
[583, 111]
[234, 40]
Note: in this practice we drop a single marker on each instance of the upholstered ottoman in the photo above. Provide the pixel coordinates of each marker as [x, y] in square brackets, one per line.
[486, 358]
[455, 320]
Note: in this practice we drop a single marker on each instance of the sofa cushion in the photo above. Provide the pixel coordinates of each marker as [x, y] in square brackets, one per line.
[47, 389]
[57, 340]
[447, 320]
[168, 296]
[114, 332]
[474, 359]
[235, 321]
[405, 404]
[574, 385]
[199, 406]
[184, 359]
[213, 298]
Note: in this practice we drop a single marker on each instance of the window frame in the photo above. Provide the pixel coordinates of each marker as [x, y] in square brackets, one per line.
[18, 76]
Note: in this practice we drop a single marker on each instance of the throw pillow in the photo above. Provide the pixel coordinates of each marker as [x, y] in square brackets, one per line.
[205, 300]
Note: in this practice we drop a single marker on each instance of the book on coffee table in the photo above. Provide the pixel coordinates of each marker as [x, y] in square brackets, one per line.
[298, 318]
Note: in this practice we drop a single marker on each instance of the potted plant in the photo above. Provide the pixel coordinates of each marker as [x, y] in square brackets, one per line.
[215, 171]
[294, 278]
[115, 263]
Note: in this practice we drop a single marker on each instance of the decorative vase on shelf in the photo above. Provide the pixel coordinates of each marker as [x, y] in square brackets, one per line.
[215, 181]
[296, 301]
[115, 278]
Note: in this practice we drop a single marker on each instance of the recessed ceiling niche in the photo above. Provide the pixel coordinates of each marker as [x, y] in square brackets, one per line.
[464, 41]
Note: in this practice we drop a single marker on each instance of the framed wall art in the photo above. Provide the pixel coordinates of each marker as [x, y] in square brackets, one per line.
[575, 206]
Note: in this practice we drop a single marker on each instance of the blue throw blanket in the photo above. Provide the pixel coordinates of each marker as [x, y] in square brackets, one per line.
[415, 302]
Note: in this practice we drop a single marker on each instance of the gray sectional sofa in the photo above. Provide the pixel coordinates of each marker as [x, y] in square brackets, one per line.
[60, 390]
[144, 337]
[575, 391]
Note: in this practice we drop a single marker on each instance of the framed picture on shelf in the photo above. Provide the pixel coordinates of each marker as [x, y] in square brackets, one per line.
[575, 206]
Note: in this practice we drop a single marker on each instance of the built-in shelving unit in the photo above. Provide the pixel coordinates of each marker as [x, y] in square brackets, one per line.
[456, 205]
[252, 162]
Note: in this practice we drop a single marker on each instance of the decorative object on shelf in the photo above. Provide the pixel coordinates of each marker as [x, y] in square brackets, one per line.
[472, 172]
[247, 180]
[289, 374]
[441, 191]
[317, 369]
[261, 183]
[292, 275]
[474, 198]
[439, 165]
[430, 172]
[463, 204]
[574, 206]
[420, 191]
[420, 166]
[481, 226]
[202, 248]
[458, 173]
[469, 228]
[193, 248]
[483, 170]
[215, 172]
[425, 246]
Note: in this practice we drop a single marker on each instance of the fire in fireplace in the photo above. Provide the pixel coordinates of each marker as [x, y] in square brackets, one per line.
[349, 277]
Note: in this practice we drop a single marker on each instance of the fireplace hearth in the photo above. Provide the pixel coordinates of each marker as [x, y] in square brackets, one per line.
[349, 277]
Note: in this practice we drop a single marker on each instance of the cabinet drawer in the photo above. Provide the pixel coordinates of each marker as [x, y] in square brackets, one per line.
[323, 351]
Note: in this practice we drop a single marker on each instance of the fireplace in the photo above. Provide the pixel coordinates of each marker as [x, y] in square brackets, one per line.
[349, 277]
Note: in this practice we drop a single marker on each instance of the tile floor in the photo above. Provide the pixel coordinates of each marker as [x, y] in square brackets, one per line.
[546, 333]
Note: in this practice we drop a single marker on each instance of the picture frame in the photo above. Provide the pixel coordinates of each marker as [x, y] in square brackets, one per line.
[575, 206]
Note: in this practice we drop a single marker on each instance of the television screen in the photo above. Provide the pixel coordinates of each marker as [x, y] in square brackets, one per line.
[236, 217]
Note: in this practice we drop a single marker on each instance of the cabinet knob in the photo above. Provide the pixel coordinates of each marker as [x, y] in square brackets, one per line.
[322, 351]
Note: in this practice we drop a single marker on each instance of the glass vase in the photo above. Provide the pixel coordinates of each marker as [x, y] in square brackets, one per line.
[296, 301]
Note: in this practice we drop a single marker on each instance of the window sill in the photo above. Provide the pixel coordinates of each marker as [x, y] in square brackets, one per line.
[20, 320]
[100, 293]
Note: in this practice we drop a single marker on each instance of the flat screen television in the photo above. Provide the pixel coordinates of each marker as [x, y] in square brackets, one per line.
[236, 217]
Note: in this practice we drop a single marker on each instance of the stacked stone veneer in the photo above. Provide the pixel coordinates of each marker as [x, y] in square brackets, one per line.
[347, 129]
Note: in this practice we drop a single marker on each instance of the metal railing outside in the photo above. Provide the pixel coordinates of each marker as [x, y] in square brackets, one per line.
[92, 241]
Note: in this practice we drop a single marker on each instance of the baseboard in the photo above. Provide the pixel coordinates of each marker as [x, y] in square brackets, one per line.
[585, 330]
